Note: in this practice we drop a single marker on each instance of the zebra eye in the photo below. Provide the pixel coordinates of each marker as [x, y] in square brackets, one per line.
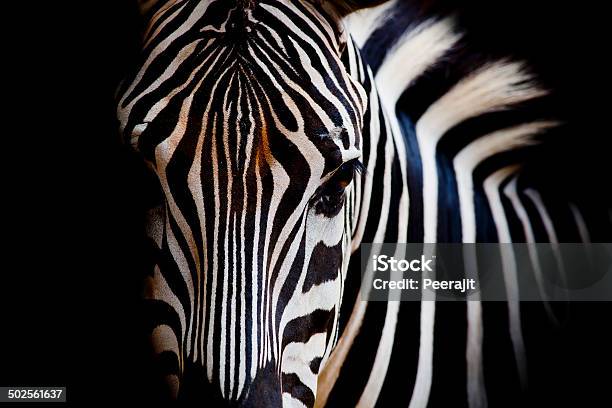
[329, 198]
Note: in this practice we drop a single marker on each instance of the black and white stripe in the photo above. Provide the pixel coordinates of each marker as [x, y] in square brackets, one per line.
[247, 115]
[256, 117]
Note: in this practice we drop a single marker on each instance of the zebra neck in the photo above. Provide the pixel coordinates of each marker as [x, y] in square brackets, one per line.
[383, 217]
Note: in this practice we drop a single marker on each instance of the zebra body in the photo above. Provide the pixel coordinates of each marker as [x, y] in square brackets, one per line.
[282, 138]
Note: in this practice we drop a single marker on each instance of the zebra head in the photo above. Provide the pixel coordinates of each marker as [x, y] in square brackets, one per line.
[251, 115]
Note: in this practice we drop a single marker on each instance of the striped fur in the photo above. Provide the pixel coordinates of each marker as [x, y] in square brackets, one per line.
[256, 117]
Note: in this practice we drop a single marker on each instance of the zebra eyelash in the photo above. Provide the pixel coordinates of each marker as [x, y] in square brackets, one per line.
[354, 166]
[330, 196]
[359, 167]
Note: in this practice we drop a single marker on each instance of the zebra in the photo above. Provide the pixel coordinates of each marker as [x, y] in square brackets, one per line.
[283, 134]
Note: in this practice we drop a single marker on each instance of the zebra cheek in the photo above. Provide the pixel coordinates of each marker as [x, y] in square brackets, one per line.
[327, 230]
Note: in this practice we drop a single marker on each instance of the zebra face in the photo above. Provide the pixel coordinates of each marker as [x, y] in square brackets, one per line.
[251, 120]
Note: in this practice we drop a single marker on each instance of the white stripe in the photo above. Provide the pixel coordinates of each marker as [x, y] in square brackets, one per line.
[215, 263]
[580, 224]
[297, 357]
[494, 87]
[362, 23]
[511, 192]
[466, 161]
[375, 382]
[415, 52]
[536, 199]
[509, 268]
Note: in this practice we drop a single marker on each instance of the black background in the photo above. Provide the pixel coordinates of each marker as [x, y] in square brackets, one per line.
[72, 196]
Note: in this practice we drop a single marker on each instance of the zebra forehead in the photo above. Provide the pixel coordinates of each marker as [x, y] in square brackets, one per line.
[265, 75]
